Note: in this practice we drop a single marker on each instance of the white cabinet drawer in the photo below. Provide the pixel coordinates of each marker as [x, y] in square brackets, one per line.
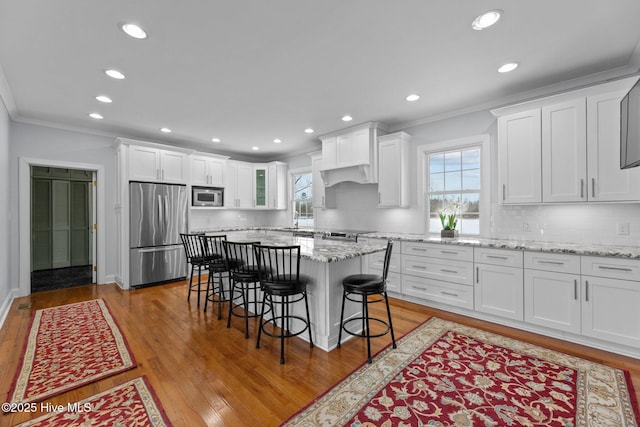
[615, 268]
[559, 263]
[376, 262]
[437, 250]
[503, 257]
[443, 292]
[433, 268]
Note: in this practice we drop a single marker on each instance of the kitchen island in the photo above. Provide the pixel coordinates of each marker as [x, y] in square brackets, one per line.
[325, 263]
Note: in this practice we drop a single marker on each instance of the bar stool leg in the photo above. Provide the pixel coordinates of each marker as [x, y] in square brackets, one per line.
[365, 312]
[306, 305]
[344, 297]
[393, 337]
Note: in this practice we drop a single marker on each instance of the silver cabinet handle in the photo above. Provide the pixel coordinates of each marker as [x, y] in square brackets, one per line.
[477, 274]
[504, 192]
[451, 294]
[419, 267]
[593, 187]
[378, 197]
[497, 257]
[582, 188]
[586, 290]
[551, 262]
[575, 289]
[419, 249]
[604, 267]
[448, 271]
[449, 252]
[419, 288]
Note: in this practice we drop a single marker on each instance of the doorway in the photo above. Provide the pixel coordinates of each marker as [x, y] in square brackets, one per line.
[62, 225]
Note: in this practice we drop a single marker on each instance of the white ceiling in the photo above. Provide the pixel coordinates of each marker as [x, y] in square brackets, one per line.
[249, 71]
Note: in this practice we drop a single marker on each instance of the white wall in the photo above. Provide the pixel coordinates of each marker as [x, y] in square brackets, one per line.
[5, 218]
[59, 145]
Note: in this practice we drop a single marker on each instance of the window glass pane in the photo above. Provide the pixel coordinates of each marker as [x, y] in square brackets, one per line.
[436, 182]
[452, 181]
[469, 226]
[452, 161]
[436, 163]
[471, 203]
[471, 159]
[471, 179]
[436, 204]
[303, 200]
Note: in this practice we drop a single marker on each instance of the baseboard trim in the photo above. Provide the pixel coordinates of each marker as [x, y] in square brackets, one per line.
[6, 304]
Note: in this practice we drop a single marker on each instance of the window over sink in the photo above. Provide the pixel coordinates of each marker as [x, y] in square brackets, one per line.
[302, 199]
[455, 178]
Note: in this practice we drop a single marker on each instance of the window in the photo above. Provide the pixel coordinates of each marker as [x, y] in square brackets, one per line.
[456, 182]
[302, 200]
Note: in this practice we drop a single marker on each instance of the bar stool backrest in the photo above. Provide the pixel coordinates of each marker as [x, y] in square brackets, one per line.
[192, 245]
[387, 260]
[278, 264]
[243, 252]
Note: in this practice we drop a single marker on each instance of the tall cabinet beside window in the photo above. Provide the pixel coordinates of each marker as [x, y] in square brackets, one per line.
[393, 170]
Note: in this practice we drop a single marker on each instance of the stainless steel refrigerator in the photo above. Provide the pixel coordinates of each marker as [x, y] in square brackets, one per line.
[158, 214]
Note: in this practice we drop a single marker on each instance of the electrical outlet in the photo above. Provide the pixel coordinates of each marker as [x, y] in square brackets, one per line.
[525, 226]
[623, 228]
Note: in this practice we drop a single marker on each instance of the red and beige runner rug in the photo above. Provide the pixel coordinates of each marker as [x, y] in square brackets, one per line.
[131, 404]
[446, 374]
[67, 347]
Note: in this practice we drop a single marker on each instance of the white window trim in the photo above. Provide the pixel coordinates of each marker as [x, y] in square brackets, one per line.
[483, 141]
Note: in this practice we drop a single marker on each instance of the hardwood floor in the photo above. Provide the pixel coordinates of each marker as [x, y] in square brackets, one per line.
[206, 374]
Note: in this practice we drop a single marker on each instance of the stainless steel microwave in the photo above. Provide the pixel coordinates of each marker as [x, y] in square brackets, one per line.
[207, 196]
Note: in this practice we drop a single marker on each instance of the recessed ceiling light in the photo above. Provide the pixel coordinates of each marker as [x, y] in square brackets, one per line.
[254, 148]
[277, 140]
[412, 97]
[510, 66]
[486, 20]
[308, 130]
[165, 130]
[104, 98]
[114, 74]
[96, 116]
[347, 118]
[134, 31]
[216, 140]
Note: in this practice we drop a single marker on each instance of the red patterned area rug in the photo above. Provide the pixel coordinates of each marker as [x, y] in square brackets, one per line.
[446, 374]
[131, 404]
[67, 347]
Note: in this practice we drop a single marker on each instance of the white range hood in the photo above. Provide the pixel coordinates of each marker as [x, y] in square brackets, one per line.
[361, 174]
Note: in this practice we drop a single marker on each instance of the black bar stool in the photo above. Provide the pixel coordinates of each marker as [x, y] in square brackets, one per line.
[282, 285]
[245, 282]
[213, 249]
[195, 257]
[358, 288]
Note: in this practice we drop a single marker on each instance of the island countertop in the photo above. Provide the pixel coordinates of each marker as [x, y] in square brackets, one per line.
[314, 249]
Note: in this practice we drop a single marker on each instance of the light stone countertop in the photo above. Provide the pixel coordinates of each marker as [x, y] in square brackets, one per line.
[314, 249]
[629, 252]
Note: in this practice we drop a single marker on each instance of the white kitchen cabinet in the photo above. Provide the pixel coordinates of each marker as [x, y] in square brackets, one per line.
[277, 185]
[393, 170]
[321, 199]
[519, 157]
[206, 170]
[353, 148]
[607, 182]
[499, 283]
[564, 152]
[157, 165]
[552, 291]
[239, 185]
[260, 183]
[330, 152]
[374, 264]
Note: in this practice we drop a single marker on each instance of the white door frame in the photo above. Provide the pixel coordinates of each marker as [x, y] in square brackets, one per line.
[24, 210]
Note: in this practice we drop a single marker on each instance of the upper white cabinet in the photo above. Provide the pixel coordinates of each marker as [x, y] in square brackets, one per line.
[393, 170]
[565, 148]
[321, 199]
[207, 170]
[238, 191]
[351, 155]
[607, 182]
[148, 163]
[277, 185]
[519, 159]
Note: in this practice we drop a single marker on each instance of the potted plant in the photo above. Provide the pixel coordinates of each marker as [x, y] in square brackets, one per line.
[448, 218]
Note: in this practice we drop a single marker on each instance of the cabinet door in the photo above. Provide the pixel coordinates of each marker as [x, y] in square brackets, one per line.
[607, 182]
[361, 147]
[519, 151]
[499, 291]
[344, 150]
[564, 152]
[393, 171]
[260, 187]
[144, 164]
[244, 185]
[610, 310]
[215, 172]
[230, 189]
[552, 300]
[199, 174]
[329, 153]
[173, 167]
[277, 186]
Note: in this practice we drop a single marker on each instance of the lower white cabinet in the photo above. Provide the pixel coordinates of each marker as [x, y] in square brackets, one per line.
[376, 265]
[498, 289]
[552, 291]
[435, 290]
